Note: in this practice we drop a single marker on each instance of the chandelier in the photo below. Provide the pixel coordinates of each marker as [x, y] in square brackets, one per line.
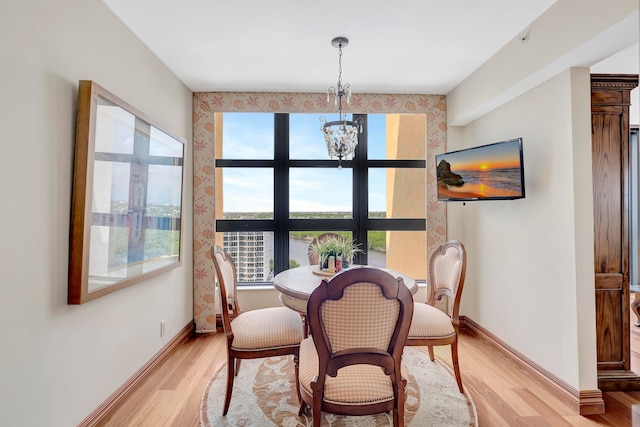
[341, 135]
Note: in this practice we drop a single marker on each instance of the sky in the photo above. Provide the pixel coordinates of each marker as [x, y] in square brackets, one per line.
[493, 156]
[245, 136]
[115, 132]
[250, 136]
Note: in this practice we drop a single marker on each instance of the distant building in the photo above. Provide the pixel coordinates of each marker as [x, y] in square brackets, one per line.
[251, 252]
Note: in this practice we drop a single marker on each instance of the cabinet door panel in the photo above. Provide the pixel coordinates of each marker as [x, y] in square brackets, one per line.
[610, 96]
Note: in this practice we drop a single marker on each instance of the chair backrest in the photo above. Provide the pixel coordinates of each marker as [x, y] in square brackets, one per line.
[226, 275]
[314, 259]
[361, 315]
[447, 270]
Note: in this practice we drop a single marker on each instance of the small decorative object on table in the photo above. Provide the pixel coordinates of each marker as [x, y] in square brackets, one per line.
[338, 249]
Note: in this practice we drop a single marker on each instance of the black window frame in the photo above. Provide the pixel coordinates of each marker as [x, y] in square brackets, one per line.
[281, 224]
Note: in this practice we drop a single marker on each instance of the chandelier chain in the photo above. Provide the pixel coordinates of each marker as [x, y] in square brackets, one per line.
[339, 68]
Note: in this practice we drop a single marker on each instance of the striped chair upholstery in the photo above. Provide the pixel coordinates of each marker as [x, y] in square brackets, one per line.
[252, 334]
[351, 364]
[266, 329]
[431, 326]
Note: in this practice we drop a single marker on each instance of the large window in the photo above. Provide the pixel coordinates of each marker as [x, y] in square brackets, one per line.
[279, 189]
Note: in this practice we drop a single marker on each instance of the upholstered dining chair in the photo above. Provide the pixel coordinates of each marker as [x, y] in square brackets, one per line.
[430, 325]
[314, 258]
[351, 364]
[253, 334]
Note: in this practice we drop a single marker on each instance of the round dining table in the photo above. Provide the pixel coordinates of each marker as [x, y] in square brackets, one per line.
[296, 284]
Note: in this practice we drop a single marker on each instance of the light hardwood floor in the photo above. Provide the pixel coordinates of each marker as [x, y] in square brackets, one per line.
[504, 395]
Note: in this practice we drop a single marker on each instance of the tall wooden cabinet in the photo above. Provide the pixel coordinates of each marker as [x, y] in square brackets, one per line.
[610, 100]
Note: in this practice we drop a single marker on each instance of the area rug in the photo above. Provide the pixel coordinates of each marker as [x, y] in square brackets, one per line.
[264, 394]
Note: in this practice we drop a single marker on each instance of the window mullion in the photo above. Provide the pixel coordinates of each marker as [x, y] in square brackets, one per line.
[361, 191]
[281, 192]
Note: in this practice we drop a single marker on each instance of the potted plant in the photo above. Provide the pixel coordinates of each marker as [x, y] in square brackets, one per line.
[336, 247]
[347, 249]
[323, 249]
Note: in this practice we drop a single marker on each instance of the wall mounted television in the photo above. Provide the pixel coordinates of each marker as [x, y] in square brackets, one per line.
[488, 172]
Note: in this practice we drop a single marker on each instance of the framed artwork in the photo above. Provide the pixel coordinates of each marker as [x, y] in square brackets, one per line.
[127, 196]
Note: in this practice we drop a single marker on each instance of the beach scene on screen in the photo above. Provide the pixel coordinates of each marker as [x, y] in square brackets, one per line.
[483, 172]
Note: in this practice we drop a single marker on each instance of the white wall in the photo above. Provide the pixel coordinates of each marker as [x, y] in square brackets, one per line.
[568, 34]
[530, 278]
[59, 362]
[527, 270]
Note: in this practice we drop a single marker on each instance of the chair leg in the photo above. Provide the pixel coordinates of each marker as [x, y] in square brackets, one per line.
[297, 374]
[398, 410]
[456, 365]
[431, 355]
[317, 409]
[230, 375]
[238, 366]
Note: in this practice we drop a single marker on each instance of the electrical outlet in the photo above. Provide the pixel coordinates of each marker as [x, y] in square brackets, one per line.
[163, 327]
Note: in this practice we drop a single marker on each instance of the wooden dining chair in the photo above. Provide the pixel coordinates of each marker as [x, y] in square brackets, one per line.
[430, 325]
[254, 334]
[351, 364]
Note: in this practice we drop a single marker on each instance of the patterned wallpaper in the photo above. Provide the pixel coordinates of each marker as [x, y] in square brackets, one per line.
[205, 104]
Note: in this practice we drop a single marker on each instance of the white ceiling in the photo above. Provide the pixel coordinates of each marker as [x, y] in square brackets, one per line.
[405, 46]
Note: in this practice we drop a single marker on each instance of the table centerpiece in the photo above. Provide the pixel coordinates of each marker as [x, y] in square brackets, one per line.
[334, 253]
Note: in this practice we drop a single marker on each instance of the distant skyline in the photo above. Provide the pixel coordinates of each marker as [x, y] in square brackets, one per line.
[250, 136]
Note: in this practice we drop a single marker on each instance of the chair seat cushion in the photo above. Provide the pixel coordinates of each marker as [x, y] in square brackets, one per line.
[266, 328]
[430, 322]
[354, 384]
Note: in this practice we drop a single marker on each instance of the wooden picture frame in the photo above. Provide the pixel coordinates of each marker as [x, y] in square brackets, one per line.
[127, 196]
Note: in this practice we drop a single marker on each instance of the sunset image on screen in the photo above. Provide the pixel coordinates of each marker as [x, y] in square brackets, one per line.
[490, 171]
